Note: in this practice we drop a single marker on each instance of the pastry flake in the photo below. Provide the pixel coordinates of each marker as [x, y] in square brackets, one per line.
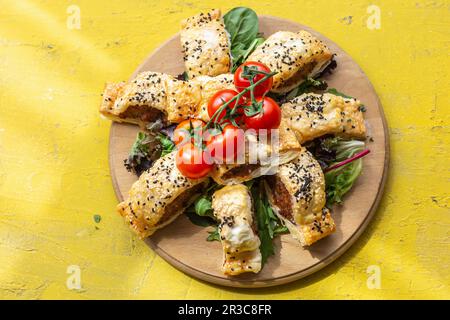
[149, 97]
[296, 56]
[233, 209]
[261, 157]
[209, 86]
[297, 195]
[206, 45]
[313, 115]
[160, 195]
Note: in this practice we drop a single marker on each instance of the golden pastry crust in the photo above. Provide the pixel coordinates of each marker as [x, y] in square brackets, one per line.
[322, 226]
[109, 97]
[206, 45]
[182, 99]
[304, 180]
[297, 195]
[313, 115]
[233, 209]
[150, 96]
[294, 55]
[287, 140]
[158, 197]
[208, 87]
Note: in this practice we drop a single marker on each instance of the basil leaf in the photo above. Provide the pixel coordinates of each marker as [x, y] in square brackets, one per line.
[240, 53]
[242, 25]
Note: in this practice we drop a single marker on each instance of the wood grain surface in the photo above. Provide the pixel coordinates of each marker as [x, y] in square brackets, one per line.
[183, 244]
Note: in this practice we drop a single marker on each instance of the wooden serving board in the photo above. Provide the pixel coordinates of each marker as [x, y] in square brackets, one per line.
[184, 245]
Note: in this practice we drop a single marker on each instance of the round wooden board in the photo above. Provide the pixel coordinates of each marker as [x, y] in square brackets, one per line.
[183, 244]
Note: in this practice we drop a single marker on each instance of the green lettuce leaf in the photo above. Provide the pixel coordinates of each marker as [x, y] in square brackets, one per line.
[339, 181]
[167, 145]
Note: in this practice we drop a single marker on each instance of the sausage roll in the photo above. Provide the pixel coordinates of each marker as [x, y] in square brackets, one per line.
[296, 56]
[233, 209]
[313, 115]
[208, 87]
[261, 158]
[297, 195]
[159, 196]
[150, 96]
[206, 45]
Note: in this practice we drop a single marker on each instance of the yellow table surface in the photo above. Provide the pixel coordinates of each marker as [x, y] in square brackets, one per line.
[54, 173]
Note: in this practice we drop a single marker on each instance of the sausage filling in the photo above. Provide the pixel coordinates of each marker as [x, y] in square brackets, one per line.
[142, 113]
[180, 203]
[281, 197]
[301, 75]
[240, 171]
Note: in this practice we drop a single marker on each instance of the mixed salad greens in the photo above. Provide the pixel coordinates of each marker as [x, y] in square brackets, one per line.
[338, 158]
[330, 152]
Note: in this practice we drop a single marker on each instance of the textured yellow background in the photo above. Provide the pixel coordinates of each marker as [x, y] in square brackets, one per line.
[54, 172]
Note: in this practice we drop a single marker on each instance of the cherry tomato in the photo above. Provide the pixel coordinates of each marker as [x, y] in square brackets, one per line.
[269, 118]
[183, 134]
[217, 101]
[225, 146]
[193, 162]
[241, 83]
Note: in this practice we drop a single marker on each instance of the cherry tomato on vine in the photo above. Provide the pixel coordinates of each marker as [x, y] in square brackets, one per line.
[225, 146]
[193, 162]
[183, 133]
[217, 101]
[241, 83]
[268, 118]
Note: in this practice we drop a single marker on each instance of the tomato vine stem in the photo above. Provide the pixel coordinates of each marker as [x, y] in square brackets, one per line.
[236, 98]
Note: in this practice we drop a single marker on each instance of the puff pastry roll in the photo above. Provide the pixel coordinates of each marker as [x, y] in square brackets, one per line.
[261, 158]
[159, 196]
[208, 87]
[150, 96]
[294, 55]
[313, 115]
[233, 209]
[206, 45]
[297, 195]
